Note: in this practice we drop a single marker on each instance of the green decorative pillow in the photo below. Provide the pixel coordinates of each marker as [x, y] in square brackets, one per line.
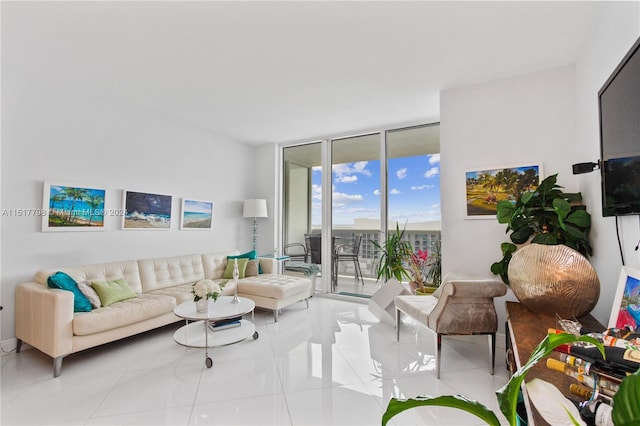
[242, 266]
[248, 255]
[65, 282]
[111, 292]
[252, 268]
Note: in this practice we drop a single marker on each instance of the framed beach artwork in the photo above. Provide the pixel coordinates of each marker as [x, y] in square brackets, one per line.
[72, 208]
[196, 215]
[145, 211]
[626, 302]
[485, 188]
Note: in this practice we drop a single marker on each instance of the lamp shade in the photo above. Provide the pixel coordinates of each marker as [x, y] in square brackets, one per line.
[254, 208]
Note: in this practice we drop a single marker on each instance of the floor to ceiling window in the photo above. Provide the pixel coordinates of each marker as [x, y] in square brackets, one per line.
[377, 180]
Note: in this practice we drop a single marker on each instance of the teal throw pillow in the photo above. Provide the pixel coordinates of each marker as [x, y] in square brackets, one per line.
[242, 267]
[248, 255]
[111, 292]
[65, 282]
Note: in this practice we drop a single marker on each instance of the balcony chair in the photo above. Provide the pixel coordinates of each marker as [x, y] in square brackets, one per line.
[462, 305]
[348, 253]
[297, 252]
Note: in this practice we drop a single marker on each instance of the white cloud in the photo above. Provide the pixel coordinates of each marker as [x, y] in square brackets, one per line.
[434, 171]
[341, 199]
[402, 173]
[421, 187]
[316, 192]
[360, 167]
[434, 159]
[347, 179]
[394, 192]
[376, 192]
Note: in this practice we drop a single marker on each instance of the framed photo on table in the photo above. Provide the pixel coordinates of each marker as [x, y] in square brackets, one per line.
[626, 302]
[485, 188]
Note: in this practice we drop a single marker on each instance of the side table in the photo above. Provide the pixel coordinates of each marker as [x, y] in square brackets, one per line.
[197, 334]
[524, 330]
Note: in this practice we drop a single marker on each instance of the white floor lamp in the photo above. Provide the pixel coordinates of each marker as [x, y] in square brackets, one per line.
[255, 208]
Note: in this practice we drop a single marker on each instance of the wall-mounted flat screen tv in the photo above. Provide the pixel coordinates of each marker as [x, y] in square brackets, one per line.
[619, 105]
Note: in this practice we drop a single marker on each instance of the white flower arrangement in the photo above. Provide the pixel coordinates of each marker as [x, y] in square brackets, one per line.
[207, 289]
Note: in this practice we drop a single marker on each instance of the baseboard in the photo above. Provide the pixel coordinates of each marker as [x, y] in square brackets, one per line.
[9, 346]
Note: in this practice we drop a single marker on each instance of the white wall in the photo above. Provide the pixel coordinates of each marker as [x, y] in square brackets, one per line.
[618, 28]
[528, 119]
[548, 117]
[143, 152]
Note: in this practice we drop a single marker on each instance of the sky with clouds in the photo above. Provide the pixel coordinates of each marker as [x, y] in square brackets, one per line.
[414, 190]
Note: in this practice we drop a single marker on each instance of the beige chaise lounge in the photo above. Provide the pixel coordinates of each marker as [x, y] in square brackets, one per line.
[461, 306]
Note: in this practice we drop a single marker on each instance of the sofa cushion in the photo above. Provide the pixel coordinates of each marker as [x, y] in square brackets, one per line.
[252, 268]
[114, 291]
[182, 293]
[242, 266]
[121, 314]
[63, 281]
[170, 271]
[99, 272]
[90, 294]
[273, 286]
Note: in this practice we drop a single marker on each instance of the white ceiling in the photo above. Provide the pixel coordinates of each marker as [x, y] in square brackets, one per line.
[260, 72]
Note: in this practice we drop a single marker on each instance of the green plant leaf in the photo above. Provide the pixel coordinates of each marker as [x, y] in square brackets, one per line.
[504, 211]
[508, 394]
[521, 235]
[396, 406]
[626, 409]
[580, 218]
[548, 185]
[526, 197]
[548, 239]
[561, 207]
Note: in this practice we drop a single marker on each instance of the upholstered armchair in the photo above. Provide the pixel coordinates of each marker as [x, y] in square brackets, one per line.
[462, 305]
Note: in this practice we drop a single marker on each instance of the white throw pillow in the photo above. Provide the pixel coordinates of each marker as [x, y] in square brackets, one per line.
[90, 294]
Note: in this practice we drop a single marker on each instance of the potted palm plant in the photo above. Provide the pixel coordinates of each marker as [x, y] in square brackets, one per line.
[393, 253]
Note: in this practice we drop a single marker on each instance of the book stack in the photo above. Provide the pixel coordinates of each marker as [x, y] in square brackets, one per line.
[224, 324]
[600, 377]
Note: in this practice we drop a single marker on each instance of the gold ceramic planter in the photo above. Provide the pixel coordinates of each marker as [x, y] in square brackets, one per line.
[554, 280]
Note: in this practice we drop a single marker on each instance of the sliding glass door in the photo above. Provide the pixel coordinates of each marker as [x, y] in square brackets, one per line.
[377, 180]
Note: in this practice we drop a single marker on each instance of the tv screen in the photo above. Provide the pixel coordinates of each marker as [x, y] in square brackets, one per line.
[619, 105]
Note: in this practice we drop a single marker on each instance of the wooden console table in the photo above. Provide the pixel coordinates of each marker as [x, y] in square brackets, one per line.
[524, 330]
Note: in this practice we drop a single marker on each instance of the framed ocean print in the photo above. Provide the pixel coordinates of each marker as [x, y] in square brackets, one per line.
[146, 211]
[485, 188]
[196, 215]
[72, 208]
[626, 302]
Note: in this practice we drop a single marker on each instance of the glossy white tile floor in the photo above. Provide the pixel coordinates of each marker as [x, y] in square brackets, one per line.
[331, 364]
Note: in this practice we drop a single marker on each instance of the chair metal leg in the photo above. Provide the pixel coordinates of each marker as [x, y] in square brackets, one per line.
[492, 349]
[438, 353]
[307, 302]
[18, 345]
[358, 270]
[398, 315]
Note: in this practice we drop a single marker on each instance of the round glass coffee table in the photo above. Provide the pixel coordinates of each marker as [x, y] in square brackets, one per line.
[199, 332]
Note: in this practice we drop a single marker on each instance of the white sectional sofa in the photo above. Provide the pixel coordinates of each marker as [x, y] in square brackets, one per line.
[45, 317]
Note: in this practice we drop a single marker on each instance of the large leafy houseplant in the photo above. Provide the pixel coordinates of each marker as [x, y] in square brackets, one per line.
[626, 410]
[393, 253]
[546, 215]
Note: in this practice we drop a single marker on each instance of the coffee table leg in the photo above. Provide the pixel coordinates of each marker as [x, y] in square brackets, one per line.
[207, 360]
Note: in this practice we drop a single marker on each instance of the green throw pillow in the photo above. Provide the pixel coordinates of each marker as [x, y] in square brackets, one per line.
[242, 266]
[248, 255]
[111, 292]
[65, 282]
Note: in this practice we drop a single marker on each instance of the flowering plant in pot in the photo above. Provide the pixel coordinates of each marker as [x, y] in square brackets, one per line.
[417, 265]
[206, 289]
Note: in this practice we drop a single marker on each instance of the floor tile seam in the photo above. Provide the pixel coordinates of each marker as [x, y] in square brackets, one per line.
[128, 413]
[106, 395]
